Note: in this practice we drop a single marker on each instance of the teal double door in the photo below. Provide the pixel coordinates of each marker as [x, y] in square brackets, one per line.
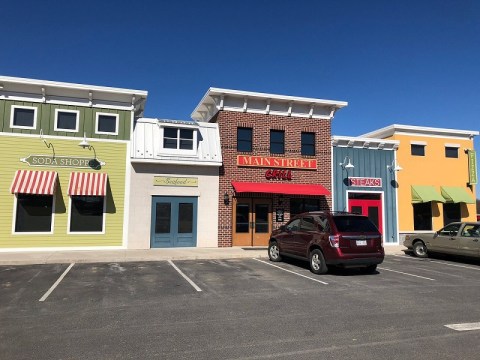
[174, 222]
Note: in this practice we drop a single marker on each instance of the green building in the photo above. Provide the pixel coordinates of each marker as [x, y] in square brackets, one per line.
[65, 160]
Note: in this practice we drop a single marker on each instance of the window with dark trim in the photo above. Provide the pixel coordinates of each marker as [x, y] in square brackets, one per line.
[417, 150]
[308, 143]
[34, 213]
[244, 139]
[451, 152]
[422, 216]
[277, 141]
[86, 213]
[300, 205]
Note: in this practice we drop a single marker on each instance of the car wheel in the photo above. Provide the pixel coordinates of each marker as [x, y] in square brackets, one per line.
[274, 252]
[419, 249]
[370, 269]
[317, 262]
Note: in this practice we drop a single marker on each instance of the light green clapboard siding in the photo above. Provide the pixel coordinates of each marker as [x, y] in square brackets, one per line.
[46, 120]
[114, 154]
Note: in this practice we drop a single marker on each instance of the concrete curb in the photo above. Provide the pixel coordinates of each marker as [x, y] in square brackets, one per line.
[130, 255]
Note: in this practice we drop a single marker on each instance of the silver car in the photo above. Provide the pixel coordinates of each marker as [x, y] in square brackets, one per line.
[458, 238]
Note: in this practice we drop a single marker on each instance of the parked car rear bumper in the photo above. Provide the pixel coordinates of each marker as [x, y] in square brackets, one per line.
[357, 261]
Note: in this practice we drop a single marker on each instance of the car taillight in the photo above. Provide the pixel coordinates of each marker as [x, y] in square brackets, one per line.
[334, 240]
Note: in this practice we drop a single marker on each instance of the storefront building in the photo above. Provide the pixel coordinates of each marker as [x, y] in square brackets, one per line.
[276, 154]
[364, 181]
[174, 184]
[65, 156]
[437, 184]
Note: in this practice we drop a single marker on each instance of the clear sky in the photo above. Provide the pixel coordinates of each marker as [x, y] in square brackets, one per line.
[404, 62]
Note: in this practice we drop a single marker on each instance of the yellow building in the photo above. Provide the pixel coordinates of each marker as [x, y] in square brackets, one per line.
[65, 162]
[435, 173]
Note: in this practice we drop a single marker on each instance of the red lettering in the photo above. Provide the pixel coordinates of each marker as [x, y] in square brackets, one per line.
[278, 174]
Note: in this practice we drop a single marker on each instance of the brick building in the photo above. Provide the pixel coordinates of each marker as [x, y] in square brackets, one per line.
[276, 154]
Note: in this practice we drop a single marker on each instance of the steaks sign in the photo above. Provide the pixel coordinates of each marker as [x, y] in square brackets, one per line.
[364, 182]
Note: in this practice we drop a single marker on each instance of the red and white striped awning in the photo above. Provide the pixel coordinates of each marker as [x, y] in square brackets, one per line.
[87, 184]
[34, 182]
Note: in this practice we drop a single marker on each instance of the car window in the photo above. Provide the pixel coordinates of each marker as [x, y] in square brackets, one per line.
[308, 224]
[294, 225]
[471, 230]
[322, 223]
[346, 223]
[447, 230]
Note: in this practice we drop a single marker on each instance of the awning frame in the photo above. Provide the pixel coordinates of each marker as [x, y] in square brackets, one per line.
[425, 193]
[456, 194]
[35, 182]
[280, 188]
[87, 184]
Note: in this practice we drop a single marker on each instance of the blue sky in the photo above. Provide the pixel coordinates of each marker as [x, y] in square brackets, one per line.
[405, 62]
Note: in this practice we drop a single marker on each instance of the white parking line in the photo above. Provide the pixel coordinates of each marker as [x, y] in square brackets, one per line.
[292, 272]
[464, 326]
[443, 262]
[184, 276]
[47, 294]
[404, 273]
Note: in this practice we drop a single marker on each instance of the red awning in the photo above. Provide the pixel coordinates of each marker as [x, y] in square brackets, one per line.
[276, 188]
[34, 182]
[87, 184]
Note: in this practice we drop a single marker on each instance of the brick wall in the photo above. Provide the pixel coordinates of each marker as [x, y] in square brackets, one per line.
[261, 124]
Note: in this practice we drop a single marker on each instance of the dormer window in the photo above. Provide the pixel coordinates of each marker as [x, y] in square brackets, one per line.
[181, 139]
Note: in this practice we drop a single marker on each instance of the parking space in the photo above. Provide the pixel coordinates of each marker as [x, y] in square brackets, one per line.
[26, 284]
[121, 283]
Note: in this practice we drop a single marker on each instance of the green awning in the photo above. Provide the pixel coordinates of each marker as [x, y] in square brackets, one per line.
[456, 194]
[425, 193]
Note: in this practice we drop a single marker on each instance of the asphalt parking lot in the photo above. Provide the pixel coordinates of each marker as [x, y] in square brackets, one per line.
[246, 308]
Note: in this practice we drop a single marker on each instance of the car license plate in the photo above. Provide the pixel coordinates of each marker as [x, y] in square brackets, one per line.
[361, 242]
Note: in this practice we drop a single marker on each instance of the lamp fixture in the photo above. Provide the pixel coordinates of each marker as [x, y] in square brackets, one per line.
[47, 144]
[84, 144]
[226, 198]
[346, 165]
[394, 167]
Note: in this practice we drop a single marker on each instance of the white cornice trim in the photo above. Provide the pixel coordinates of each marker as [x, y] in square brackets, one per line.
[216, 99]
[69, 138]
[397, 129]
[65, 85]
[366, 143]
[54, 92]
[194, 162]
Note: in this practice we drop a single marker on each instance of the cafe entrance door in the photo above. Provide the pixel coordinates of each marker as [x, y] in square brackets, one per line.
[252, 221]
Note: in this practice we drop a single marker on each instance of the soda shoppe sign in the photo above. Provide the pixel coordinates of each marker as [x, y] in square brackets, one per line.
[63, 161]
[365, 182]
[276, 162]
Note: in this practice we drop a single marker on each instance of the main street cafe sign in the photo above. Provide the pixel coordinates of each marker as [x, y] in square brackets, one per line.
[276, 162]
[63, 161]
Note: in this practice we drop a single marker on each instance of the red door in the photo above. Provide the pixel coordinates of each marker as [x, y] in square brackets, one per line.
[368, 207]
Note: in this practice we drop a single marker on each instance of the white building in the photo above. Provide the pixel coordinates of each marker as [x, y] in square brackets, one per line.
[174, 184]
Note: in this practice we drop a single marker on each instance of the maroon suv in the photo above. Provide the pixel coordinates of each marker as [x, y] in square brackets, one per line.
[329, 238]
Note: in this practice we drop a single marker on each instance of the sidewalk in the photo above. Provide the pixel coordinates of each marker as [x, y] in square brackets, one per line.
[126, 255]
